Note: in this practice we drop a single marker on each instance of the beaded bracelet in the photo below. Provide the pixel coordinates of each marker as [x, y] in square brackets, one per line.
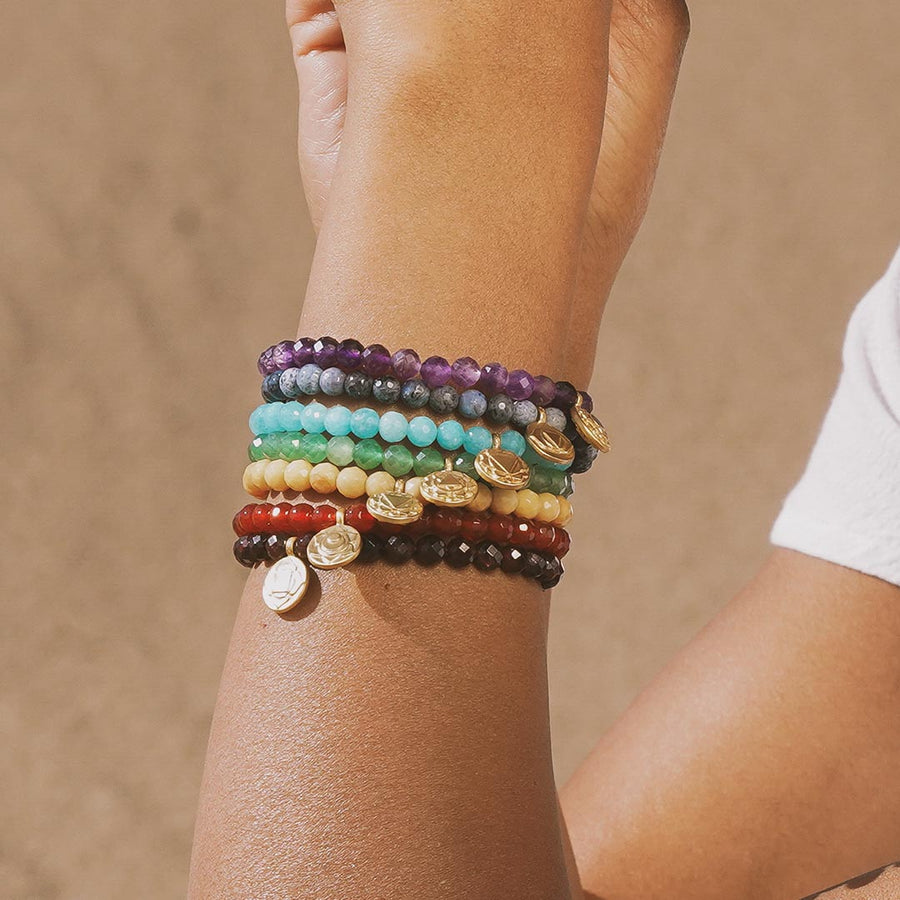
[287, 580]
[436, 372]
[303, 518]
[399, 461]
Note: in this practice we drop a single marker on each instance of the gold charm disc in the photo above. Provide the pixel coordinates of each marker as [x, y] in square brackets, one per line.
[334, 546]
[448, 488]
[285, 584]
[394, 506]
[549, 443]
[502, 468]
[589, 427]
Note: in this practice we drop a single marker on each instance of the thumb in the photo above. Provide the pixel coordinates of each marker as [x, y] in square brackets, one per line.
[320, 60]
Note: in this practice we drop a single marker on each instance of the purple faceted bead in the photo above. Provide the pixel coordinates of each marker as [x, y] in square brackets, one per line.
[494, 378]
[376, 360]
[520, 384]
[283, 355]
[465, 372]
[265, 363]
[544, 390]
[303, 352]
[349, 354]
[565, 395]
[435, 371]
[325, 350]
[587, 402]
[406, 364]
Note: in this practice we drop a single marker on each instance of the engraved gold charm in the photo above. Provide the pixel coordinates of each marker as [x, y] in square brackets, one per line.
[589, 427]
[448, 488]
[548, 442]
[502, 468]
[395, 506]
[285, 584]
[335, 546]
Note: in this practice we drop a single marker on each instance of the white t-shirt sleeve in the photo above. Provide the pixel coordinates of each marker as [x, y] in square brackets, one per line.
[846, 506]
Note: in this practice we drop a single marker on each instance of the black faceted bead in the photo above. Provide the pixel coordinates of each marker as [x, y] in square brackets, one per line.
[488, 556]
[415, 393]
[459, 552]
[275, 547]
[301, 542]
[444, 399]
[584, 459]
[257, 550]
[499, 409]
[386, 389]
[429, 550]
[552, 573]
[513, 560]
[398, 548]
[534, 564]
[271, 388]
[358, 385]
[242, 552]
[371, 548]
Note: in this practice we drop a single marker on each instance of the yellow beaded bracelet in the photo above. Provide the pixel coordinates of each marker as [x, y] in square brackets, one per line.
[277, 476]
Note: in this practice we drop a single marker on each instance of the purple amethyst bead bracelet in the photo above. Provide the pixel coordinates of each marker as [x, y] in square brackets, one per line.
[435, 372]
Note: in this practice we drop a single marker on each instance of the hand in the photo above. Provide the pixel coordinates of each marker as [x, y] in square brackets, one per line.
[645, 45]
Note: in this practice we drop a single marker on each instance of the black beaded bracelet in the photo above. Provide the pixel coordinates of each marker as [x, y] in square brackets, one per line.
[427, 550]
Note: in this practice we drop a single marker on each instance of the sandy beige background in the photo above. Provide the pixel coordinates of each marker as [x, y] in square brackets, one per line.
[154, 239]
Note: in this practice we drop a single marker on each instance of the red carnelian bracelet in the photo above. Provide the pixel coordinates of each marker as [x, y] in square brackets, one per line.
[304, 518]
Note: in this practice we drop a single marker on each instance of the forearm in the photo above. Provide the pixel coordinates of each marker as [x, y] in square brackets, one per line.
[392, 738]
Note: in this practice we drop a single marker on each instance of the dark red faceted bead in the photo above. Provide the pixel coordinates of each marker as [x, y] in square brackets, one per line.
[543, 536]
[458, 552]
[299, 519]
[534, 564]
[275, 547]
[301, 542]
[371, 548]
[488, 556]
[260, 517]
[561, 542]
[429, 550]
[241, 550]
[523, 533]
[474, 526]
[257, 548]
[513, 560]
[323, 517]
[445, 521]
[500, 529]
[398, 548]
[360, 518]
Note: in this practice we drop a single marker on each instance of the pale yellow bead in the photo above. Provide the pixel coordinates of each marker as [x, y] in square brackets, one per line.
[483, 498]
[275, 475]
[549, 508]
[528, 504]
[413, 486]
[254, 479]
[504, 502]
[323, 477]
[379, 483]
[351, 482]
[297, 474]
[565, 513]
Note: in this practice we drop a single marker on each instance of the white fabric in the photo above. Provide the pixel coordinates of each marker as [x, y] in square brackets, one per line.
[846, 506]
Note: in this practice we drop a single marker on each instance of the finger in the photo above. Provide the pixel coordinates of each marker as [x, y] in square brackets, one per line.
[320, 60]
[647, 40]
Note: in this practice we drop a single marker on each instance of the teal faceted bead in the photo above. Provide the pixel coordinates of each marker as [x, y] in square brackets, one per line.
[340, 450]
[315, 447]
[314, 418]
[255, 450]
[368, 454]
[427, 461]
[477, 439]
[257, 418]
[289, 415]
[513, 440]
[397, 460]
[337, 421]
[422, 431]
[465, 463]
[450, 435]
[393, 427]
[364, 422]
